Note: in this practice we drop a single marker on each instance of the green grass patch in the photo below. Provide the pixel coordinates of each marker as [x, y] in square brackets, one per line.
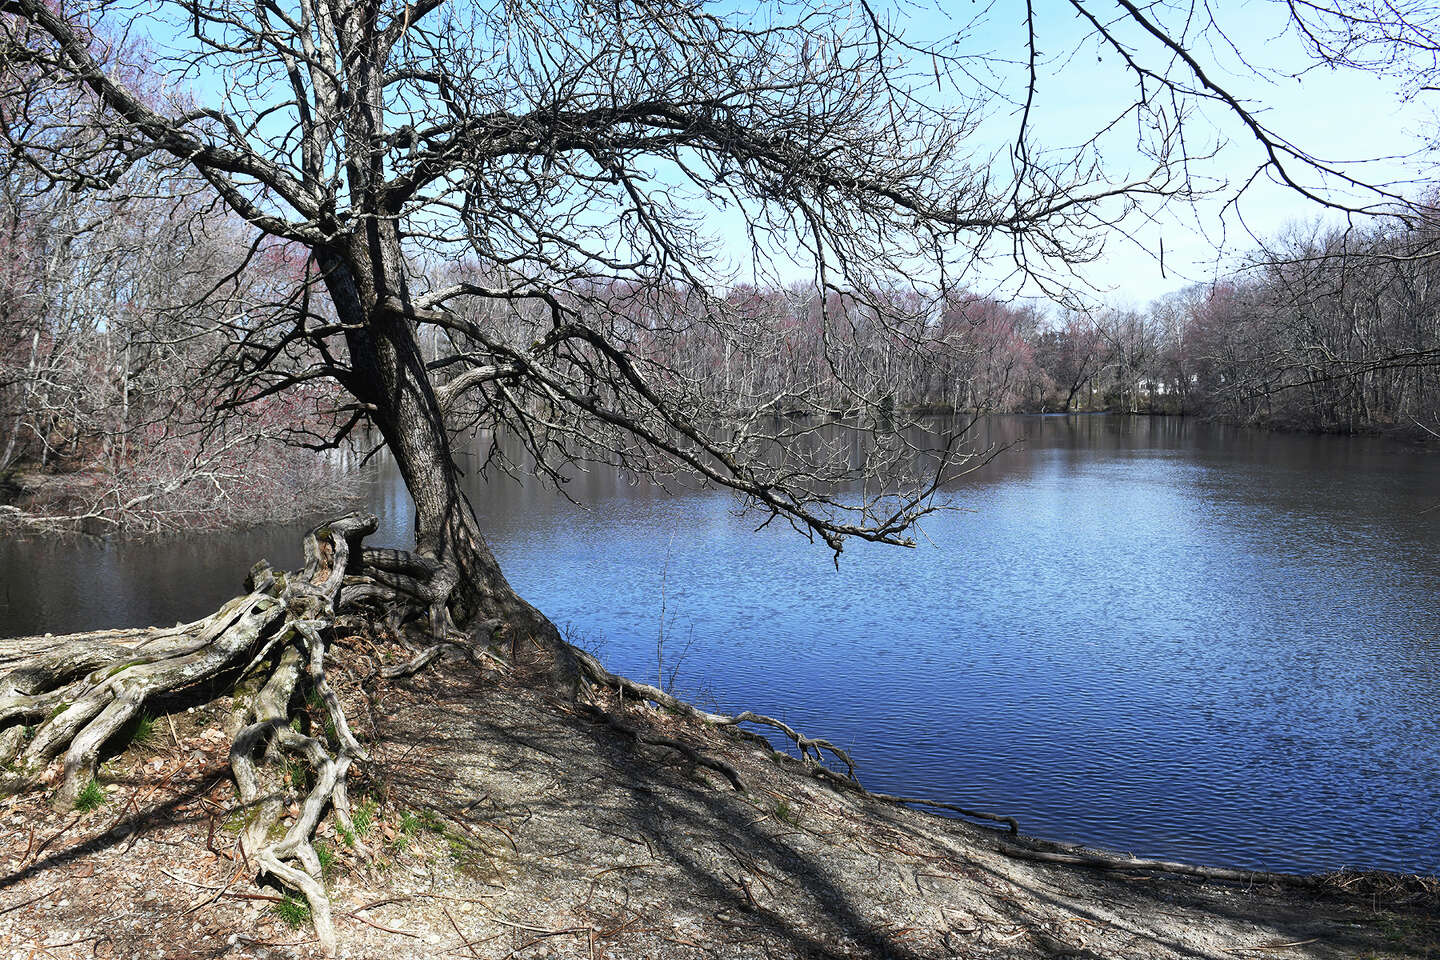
[783, 811]
[405, 831]
[364, 817]
[293, 910]
[145, 731]
[296, 773]
[469, 857]
[90, 798]
[326, 855]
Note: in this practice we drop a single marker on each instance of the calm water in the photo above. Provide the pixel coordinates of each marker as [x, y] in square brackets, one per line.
[1176, 639]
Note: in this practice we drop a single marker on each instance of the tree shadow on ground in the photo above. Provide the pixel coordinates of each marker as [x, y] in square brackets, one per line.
[618, 837]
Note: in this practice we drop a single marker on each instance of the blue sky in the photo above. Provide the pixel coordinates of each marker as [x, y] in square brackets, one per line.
[1356, 120]
[1338, 116]
[1335, 115]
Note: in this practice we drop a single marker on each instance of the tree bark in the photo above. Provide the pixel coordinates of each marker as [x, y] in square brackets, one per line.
[452, 569]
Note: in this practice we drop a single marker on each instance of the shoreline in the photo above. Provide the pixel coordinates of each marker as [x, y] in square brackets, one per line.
[495, 807]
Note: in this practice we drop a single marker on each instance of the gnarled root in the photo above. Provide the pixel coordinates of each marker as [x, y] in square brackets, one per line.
[592, 670]
[69, 698]
[74, 698]
[688, 752]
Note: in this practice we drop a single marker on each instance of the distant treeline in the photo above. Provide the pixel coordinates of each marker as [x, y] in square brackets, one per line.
[111, 315]
[1335, 333]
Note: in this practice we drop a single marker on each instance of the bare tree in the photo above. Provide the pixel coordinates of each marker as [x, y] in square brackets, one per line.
[108, 332]
[500, 206]
[1333, 330]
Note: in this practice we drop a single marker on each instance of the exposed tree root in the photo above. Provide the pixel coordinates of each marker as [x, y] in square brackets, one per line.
[684, 750]
[812, 749]
[1011, 822]
[268, 647]
[593, 671]
[1076, 856]
[435, 651]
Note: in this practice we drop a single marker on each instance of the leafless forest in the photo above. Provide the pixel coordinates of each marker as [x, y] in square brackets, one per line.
[114, 308]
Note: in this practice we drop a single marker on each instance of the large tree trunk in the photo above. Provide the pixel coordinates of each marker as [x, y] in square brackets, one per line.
[452, 569]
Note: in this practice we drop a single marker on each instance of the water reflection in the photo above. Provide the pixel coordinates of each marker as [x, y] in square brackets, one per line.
[1179, 639]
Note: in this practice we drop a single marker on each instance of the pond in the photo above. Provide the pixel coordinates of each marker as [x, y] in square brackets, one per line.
[1165, 637]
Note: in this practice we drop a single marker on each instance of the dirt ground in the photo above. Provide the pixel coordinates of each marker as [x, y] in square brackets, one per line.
[505, 822]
